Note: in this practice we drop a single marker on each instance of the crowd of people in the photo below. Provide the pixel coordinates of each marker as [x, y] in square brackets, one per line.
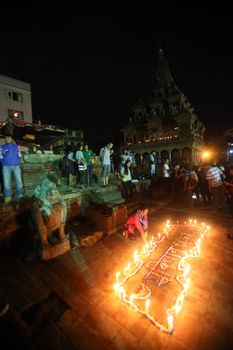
[210, 183]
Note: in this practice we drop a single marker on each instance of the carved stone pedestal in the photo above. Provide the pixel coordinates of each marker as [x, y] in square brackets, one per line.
[52, 251]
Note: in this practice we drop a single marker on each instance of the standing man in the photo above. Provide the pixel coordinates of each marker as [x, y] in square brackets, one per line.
[166, 178]
[10, 159]
[215, 178]
[153, 161]
[104, 156]
[89, 157]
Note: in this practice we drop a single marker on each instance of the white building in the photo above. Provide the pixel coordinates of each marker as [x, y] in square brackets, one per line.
[15, 99]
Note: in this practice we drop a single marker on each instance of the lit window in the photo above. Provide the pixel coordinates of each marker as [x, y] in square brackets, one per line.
[16, 114]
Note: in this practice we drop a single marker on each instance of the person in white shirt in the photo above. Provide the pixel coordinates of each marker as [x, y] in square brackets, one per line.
[166, 178]
[153, 159]
[104, 156]
[166, 168]
[82, 166]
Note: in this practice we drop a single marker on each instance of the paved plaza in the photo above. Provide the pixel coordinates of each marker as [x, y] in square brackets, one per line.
[69, 302]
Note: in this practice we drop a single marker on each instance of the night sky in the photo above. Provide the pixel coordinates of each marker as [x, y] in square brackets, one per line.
[88, 70]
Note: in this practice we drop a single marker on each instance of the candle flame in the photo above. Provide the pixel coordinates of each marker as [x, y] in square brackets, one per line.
[178, 308]
[147, 304]
[132, 296]
[116, 287]
[170, 322]
[117, 275]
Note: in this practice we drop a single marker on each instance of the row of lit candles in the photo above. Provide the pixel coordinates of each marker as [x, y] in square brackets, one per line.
[183, 279]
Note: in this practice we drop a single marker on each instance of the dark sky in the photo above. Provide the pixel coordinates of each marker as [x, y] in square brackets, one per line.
[88, 70]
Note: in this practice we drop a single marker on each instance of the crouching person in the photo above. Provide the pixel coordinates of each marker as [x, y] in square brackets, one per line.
[138, 220]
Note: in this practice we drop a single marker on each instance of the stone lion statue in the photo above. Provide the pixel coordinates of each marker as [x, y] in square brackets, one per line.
[48, 213]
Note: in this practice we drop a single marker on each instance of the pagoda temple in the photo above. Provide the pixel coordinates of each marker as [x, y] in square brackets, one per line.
[167, 124]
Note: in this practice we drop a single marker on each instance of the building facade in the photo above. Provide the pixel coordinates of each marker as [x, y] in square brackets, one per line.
[71, 137]
[15, 99]
[167, 123]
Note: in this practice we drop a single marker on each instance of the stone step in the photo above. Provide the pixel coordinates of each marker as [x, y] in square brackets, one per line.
[116, 201]
[100, 189]
[110, 194]
[107, 198]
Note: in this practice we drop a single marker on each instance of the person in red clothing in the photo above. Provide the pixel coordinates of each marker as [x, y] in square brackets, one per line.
[138, 220]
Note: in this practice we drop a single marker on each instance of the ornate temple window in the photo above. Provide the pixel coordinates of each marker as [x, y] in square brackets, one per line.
[175, 156]
[164, 155]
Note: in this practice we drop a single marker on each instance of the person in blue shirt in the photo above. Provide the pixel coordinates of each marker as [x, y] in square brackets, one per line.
[10, 159]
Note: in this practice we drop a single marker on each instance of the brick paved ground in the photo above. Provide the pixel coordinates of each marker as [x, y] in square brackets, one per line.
[79, 309]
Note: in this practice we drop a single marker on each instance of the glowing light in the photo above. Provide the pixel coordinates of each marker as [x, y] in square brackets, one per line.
[188, 267]
[127, 268]
[132, 296]
[146, 291]
[147, 304]
[122, 292]
[170, 323]
[117, 275]
[116, 287]
[178, 308]
[206, 154]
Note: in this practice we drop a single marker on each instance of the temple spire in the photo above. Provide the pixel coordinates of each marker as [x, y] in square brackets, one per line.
[162, 78]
